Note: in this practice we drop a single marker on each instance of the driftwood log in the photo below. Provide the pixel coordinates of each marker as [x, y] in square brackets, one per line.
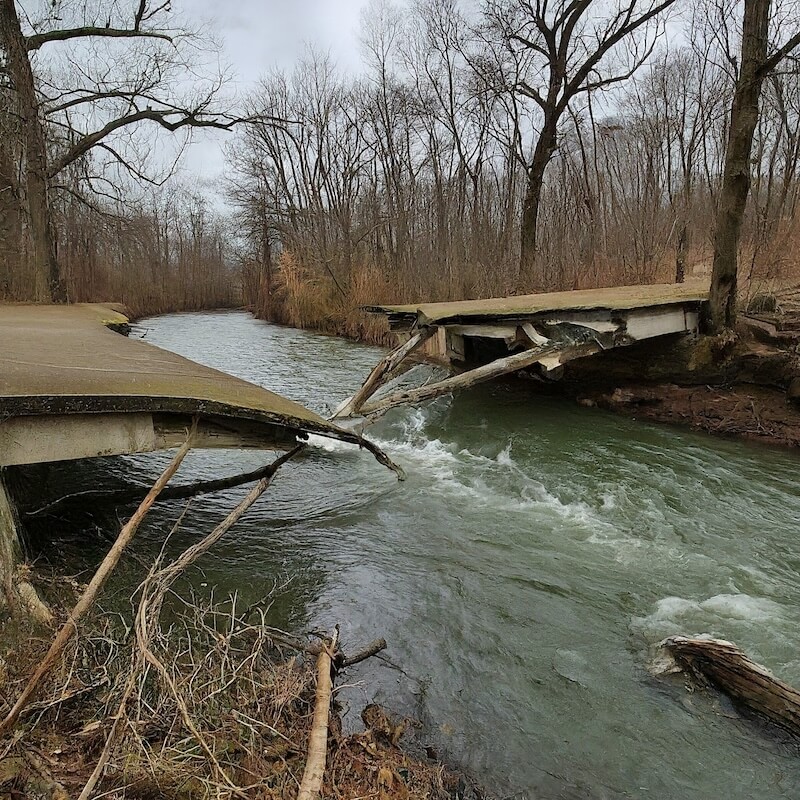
[311, 785]
[16, 593]
[382, 372]
[486, 372]
[725, 666]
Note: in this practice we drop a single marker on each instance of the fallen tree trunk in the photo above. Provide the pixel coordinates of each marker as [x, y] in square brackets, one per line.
[486, 372]
[750, 684]
[382, 372]
[9, 550]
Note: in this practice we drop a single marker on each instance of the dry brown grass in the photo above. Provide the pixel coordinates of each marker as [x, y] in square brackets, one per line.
[307, 295]
[248, 688]
[304, 298]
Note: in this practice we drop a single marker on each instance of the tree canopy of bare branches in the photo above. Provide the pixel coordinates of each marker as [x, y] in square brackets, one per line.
[83, 81]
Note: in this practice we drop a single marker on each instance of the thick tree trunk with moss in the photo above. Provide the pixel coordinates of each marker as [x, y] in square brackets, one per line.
[736, 178]
[17, 596]
[10, 550]
[49, 284]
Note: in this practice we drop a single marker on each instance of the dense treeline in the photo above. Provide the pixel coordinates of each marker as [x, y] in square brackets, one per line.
[408, 181]
[95, 109]
[167, 252]
[484, 148]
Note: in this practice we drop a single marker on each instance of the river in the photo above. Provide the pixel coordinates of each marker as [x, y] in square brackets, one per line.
[521, 574]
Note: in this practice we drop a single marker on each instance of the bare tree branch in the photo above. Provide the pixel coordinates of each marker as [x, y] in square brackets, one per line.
[182, 119]
[36, 41]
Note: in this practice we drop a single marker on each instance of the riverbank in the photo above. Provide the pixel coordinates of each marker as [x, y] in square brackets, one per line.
[743, 385]
[738, 386]
[215, 704]
[754, 413]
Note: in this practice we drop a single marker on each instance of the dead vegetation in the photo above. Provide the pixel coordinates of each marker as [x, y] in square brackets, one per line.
[218, 705]
[185, 700]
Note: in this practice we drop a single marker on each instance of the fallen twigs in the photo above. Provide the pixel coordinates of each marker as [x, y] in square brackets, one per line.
[153, 591]
[89, 595]
[314, 771]
[133, 493]
[752, 685]
[248, 696]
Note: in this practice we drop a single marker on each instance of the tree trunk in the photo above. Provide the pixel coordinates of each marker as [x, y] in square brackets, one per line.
[545, 147]
[680, 251]
[10, 550]
[264, 292]
[49, 284]
[736, 178]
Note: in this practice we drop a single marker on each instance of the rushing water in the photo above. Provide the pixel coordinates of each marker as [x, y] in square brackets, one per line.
[520, 574]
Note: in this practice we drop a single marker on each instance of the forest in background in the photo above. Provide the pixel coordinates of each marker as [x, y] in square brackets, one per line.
[414, 179]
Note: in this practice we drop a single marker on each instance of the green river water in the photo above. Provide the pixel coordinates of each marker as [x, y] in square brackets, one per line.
[521, 574]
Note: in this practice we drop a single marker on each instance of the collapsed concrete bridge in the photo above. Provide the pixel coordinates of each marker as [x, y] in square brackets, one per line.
[72, 387]
[484, 339]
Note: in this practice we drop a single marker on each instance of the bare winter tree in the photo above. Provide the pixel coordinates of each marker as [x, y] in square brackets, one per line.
[83, 79]
[759, 58]
[562, 50]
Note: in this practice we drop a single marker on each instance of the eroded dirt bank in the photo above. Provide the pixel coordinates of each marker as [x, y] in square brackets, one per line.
[747, 385]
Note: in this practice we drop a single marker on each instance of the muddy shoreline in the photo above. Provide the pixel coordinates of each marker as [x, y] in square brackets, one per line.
[744, 385]
[754, 413]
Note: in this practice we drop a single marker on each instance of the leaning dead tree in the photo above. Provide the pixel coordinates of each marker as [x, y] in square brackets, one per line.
[117, 72]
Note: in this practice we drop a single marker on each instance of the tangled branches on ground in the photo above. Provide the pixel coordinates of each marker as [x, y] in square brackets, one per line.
[214, 704]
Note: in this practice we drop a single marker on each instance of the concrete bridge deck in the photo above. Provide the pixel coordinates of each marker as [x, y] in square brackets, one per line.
[618, 316]
[73, 387]
[537, 333]
[616, 300]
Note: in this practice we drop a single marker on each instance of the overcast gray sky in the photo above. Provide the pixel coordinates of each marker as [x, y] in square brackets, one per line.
[261, 34]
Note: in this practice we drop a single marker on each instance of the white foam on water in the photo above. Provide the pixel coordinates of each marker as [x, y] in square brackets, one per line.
[743, 606]
[496, 482]
[329, 445]
[608, 500]
[727, 615]
[504, 457]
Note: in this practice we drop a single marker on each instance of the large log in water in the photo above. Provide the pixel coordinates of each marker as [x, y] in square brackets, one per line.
[750, 684]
